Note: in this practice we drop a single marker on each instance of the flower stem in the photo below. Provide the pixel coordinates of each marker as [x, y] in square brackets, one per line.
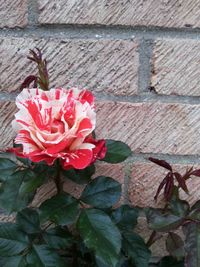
[153, 238]
[74, 255]
[58, 179]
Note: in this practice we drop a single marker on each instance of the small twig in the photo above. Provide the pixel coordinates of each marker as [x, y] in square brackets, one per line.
[153, 238]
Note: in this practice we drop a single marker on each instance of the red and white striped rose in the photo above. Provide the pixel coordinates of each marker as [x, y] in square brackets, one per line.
[57, 124]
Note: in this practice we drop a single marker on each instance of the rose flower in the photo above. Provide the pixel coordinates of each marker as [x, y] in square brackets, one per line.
[57, 124]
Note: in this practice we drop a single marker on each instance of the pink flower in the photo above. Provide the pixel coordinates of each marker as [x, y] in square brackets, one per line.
[57, 124]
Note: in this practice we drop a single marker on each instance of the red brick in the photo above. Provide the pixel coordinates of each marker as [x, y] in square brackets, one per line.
[7, 218]
[7, 110]
[13, 13]
[175, 67]
[129, 12]
[146, 127]
[146, 178]
[103, 66]
[151, 127]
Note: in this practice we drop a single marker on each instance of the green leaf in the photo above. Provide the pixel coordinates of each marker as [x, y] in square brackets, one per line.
[58, 238]
[175, 246]
[7, 167]
[15, 261]
[136, 249]
[194, 215]
[33, 182]
[13, 197]
[121, 263]
[192, 244]
[125, 217]
[12, 240]
[101, 235]
[28, 221]
[196, 205]
[100, 263]
[80, 176]
[61, 209]
[102, 192]
[43, 256]
[25, 161]
[195, 211]
[179, 207]
[170, 262]
[43, 168]
[117, 151]
[162, 222]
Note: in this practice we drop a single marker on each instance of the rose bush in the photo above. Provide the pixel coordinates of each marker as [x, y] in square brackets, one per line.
[57, 124]
[55, 143]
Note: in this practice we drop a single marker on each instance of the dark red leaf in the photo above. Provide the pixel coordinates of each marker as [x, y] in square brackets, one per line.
[35, 84]
[195, 173]
[160, 187]
[161, 163]
[39, 53]
[169, 186]
[181, 181]
[32, 59]
[33, 53]
[28, 81]
[43, 78]
[187, 174]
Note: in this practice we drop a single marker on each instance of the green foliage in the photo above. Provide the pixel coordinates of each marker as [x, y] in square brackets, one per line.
[79, 176]
[179, 207]
[102, 192]
[175, 246]
[162, 222]
[28, 221]
[93, 230]
[58, 238]
[7, 167]
[101, 235]
[12, 240]
[192, 244]
[136, 249]
[43, 256]
[116, 151]
[15, 261]
[18, 184]
[125, 217]
[170, 262]
[61, 209]
[12, 195]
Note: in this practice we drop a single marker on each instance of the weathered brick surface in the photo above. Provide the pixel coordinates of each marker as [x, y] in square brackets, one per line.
[7, 218]
[175, 67]
[146, 127]
[106, 66]
[173, 13]
[145, 179]
[13, 13]
[151, 127]
[7, 111]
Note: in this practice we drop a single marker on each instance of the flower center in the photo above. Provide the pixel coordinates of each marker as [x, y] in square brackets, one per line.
[57, 126]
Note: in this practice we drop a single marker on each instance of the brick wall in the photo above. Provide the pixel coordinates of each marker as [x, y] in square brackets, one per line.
[141, 58]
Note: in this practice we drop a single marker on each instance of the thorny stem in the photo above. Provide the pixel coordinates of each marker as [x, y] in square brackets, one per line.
[153, 238]
[58, 179]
